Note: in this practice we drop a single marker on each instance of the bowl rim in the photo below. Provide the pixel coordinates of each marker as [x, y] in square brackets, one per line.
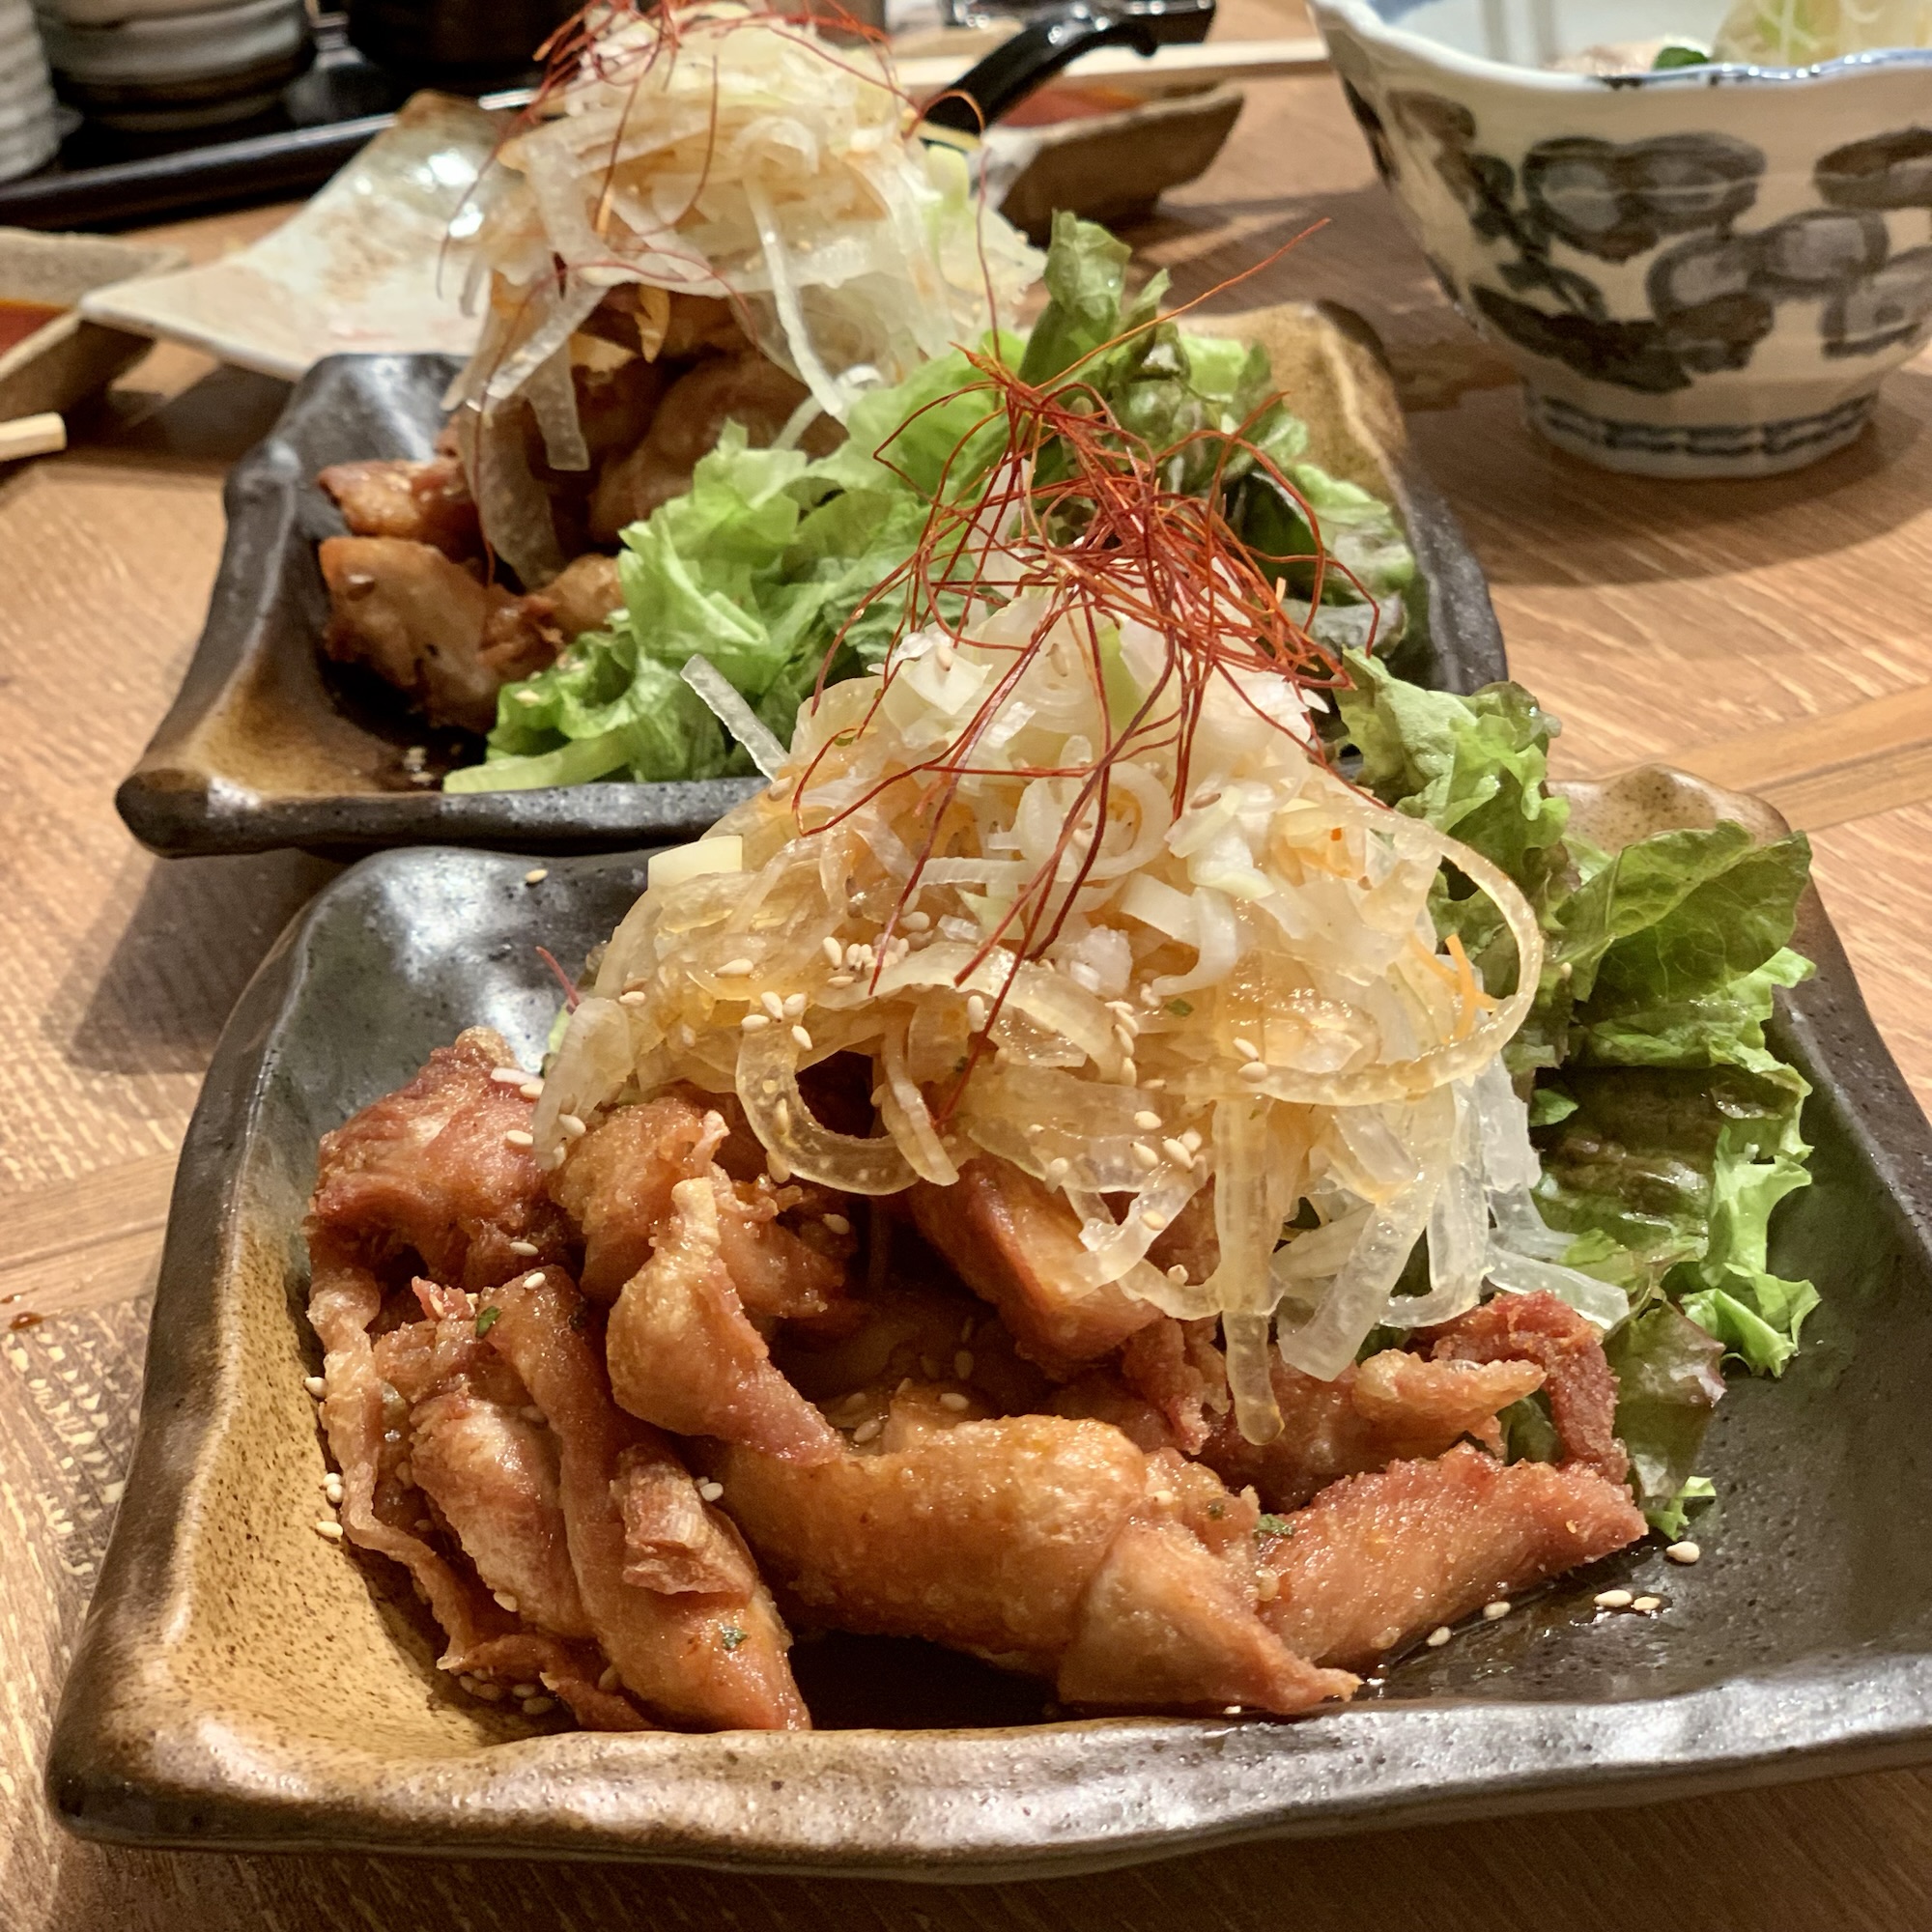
[1362, 19]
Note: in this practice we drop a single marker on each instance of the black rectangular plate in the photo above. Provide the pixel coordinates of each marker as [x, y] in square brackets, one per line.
[1800, 1645]
[266, 746]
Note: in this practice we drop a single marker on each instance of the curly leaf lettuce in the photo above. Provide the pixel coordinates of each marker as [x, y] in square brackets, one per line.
[771, 559]
[1668, 1128]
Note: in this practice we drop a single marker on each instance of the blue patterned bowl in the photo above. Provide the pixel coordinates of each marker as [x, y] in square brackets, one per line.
[1703, 272]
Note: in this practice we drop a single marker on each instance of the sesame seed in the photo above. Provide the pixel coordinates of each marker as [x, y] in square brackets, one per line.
[1683, 1553]
[538, 1707]
[778, 1167]
[532, 1413]
[801, 1040]
[1154, 1086]
[1499, 1609]
[954, 1402]
[331, 1530]
[755, 1022]
[865, 1430]
[1254, 1071]
[962, 1365]
[1613, 1599]
[841, 979]
[505, 1601]
[772, 1004]
[523, 1247]
[1231, 1710]
[424, 1524]
[1246, 1048]
[966, 1329]
[532, 1090]
[573, 1127]
[508, 1077]
[916, 920]
[839, 1224]
[1178, 1275]
[711, 1491]
[781, 1117]
[487, 1690]
[526, 1690]
[1438, 1636]
[534, 1279]
[976, 1012]
[1146, 1119]
[536, 875]
[1191, 1141]
[315, 1386]
[1145, 1156]
[1058, 1170]
[1130, 1074]
[608, 1680]
[518, 1137]
[1645, 1605]
[1177, 1154]
[735, 969]
[794, 1006]
[835, 953]
[1125, 1036]
[1267, 1586]
[632, 999]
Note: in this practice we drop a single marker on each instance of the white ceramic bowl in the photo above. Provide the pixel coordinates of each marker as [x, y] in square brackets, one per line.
[159, 72]
[28, 135]
[1699, 272]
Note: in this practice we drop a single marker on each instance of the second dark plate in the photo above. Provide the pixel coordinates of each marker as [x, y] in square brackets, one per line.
[265, 746]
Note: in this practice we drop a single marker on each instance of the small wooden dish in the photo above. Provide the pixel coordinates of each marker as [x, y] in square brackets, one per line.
[69, 358]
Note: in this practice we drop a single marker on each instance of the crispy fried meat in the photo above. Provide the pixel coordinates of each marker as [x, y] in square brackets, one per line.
[1043, 1544]
[1374, 1561]
[421, 502]
[745, 390]
[1015, 1243]
[1546, 1330]
[1393, 1407]
[713, 1659]
[430, 1169]
[684, 1354]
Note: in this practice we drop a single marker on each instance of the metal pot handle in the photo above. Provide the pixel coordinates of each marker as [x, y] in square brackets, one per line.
[1052, 36]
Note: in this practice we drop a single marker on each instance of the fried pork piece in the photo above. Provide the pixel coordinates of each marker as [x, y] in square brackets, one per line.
[381, 1508]
[745, 390]
[1045, 1544]
[1545, 1330]
[430, 1169]
[1392, 1408]
[420, 502]
[615, 1184]
[424, 624]
[684, 1354]
[711, 1659]
[1374, 1561]
[580, 597]
[1014, 1241]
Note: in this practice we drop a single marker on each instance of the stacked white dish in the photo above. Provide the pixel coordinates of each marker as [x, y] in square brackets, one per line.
[156, 66]
[27, 133]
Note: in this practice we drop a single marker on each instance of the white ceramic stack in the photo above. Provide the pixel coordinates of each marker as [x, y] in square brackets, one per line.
[159, 65]
[27, 133]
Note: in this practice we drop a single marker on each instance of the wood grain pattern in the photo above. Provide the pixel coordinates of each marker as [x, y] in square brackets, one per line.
[1769, 632]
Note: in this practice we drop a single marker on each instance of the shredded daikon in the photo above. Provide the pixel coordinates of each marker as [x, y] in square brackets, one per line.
[1258, 969]
[725, 150]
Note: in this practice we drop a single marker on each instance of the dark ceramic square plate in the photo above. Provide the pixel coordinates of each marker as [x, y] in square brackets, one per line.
[241, 1682]
[267, 746]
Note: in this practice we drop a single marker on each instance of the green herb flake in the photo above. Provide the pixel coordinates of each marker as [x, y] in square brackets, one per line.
[1273, 1525]
[1216, 1511]
[730, 1636]
[1180, 1009]
[1676, 54]
[486, 1319]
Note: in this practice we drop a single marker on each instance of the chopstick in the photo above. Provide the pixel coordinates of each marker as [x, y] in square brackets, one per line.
[32, 436]
[1206, 65]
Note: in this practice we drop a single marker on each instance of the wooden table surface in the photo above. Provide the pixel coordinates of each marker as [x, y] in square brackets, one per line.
[1773, 634]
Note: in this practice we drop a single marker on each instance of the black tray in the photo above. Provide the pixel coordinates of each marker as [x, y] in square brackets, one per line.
[265, 746]
[237, 1684]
